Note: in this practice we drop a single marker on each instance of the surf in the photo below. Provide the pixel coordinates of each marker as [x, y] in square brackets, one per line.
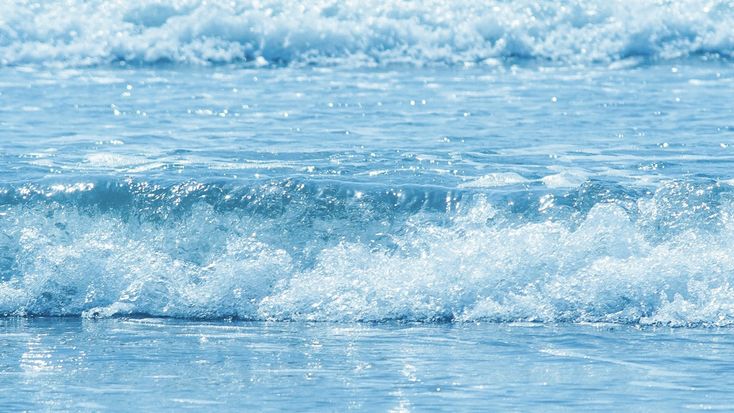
[320, 251]
[360, 34]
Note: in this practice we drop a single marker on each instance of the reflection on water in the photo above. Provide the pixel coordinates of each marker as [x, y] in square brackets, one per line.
[37, 358]
[143, 364]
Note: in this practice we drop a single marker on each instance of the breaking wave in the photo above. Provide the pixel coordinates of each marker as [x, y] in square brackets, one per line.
[360, 33]
[330, 251]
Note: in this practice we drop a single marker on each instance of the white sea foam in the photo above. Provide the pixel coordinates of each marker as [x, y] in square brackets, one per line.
[79, 33]
[569, 178]
[495, 179]
[482, 265]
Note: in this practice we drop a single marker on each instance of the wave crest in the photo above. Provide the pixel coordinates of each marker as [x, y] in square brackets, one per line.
[597, 253]
[359, 33]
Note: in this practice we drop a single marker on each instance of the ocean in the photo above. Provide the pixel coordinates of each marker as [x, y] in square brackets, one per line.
[373, 206]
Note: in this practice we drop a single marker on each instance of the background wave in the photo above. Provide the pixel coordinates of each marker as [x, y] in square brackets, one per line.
[360, 33]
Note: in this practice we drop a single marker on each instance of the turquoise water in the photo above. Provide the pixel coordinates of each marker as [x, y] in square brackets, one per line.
[353, 205]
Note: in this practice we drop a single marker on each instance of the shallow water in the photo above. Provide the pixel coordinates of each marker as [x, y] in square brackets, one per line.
[153, 364]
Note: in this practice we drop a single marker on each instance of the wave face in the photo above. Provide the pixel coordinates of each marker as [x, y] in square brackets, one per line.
[327, 251]
[360, 33]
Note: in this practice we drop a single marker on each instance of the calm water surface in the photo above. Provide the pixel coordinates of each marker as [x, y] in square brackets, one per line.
[156, 364]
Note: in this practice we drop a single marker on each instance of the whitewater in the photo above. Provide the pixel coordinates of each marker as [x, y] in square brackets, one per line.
[303, 250]
[359, 33]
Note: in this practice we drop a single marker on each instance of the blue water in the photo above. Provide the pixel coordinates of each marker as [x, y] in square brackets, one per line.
[523, 203]
[173, 365]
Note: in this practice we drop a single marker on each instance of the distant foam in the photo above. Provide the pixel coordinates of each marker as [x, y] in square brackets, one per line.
[333, 252]
[495, 179]
[360, 33]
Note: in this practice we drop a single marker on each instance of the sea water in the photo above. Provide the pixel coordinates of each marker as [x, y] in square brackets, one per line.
[134, 364]
[389, 205]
